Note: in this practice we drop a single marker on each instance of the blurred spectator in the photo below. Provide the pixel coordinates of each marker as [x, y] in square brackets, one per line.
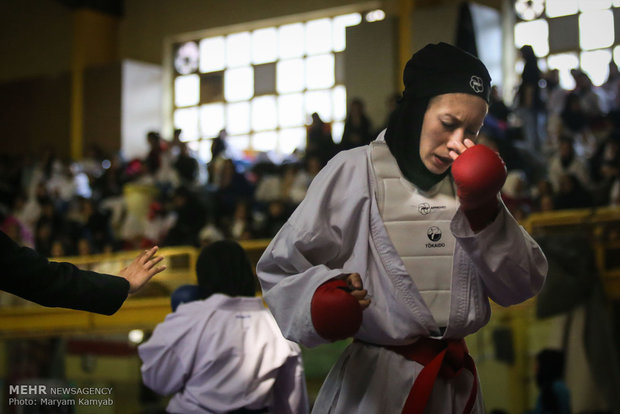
[111, 181]
[268, 181]
[575, 124]
[529, 103]
[566, 161]
[391, 101]
[554, 395]
[276, 215]
[571, 194]
[27, 210]
[159, 223]
[186, 166]
[190, 217]
[153, 158]
[543, 195]
[516, 195]
[303, 178]
[497, 107]
[319, 140]
[592, 103]
[95, 225]
[232, 187]
[555, 97]
[241, 226]
[605, 168]
[357, 126]
[611, 85]
[219, 154]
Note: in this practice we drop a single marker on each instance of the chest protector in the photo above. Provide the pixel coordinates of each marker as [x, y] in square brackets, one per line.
[418, 224]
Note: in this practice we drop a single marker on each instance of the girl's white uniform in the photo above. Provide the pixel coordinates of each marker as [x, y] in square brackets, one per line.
[221, 354]
[339, 229]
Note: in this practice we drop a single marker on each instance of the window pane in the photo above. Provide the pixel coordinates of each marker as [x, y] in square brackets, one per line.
[238, 118]
[339, 95]
[596, 65]
[291, 40]
[187, 120]
[239, 143]
[238, 49]
[204, 150]
[264, 113]
[212, 54]
[186, 90]
[291, 139]
[596, 29]
[291, 110]
[290, 76]
[556, 8]
[265, 79]
[340, 25]
[320, 71]
[264, 45]
[211, 119]
[337, 130]
[186, 58]
[588, 5]
[564, 62]
[265, 141]
[318, 36]
[534, 33]
[319, 102]
[238, 84]
[212, 87]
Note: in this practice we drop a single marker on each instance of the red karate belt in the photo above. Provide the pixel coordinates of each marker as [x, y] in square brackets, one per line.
[443, 357]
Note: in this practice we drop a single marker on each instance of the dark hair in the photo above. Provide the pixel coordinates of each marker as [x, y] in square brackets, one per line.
[223, 267]
[550, 369]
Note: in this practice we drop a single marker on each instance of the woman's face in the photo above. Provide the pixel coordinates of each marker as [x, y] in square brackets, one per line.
[449, 120]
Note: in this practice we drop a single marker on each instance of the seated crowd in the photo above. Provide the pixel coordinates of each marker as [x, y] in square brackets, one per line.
[569, 159]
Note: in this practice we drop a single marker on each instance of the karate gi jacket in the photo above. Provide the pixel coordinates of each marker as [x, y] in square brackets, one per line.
[338, 230]
[222, 354]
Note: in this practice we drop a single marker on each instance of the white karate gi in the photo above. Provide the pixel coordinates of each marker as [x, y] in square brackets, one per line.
[338, 230]
[221, 354]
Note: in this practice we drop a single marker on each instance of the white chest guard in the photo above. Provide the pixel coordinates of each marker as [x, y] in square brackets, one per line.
[418, 224]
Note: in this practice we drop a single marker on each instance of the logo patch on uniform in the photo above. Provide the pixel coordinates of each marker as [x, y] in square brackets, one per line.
[476, 84]
[425, 208]
[434, 235]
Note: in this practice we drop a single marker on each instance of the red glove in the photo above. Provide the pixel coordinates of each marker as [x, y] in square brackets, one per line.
[336, 314]
[479, 174]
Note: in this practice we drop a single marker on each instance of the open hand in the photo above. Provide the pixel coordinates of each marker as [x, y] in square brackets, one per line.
[142, 269]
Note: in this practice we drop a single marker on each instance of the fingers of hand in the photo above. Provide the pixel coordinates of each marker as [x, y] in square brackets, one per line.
[354, 281]
[148, 254]
[469, 143]
[461, 148]
[156, 270]
[362, 297]
[151, 263]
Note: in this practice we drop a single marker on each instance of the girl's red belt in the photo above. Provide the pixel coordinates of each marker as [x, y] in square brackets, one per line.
[440, 357]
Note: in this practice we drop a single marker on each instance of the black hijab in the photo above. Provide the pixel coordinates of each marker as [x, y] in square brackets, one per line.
[434, 70]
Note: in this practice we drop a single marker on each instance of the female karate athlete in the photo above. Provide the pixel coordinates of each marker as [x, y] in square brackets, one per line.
[224, 354]
[400, 244]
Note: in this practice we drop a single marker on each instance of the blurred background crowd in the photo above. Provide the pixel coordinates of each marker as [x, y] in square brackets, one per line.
[561, 148]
